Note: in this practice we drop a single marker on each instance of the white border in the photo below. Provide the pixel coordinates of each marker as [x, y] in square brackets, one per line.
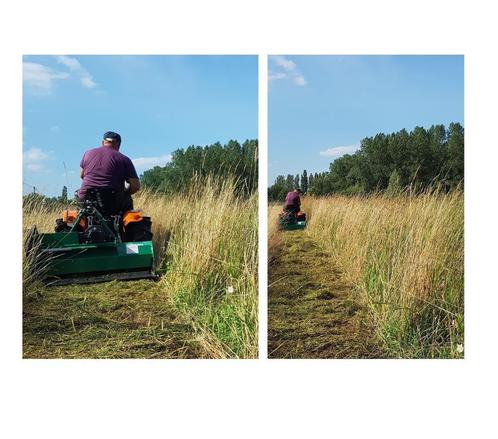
[263, 203]
[288, 399]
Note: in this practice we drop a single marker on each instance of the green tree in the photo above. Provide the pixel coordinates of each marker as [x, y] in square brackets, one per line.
[394, 187]
[232, 159]
[304, 182]
[391, 162]
[310, 182]
[439, 150]
[63, 197]
[455, 162]
[289, 182]
[278, 190]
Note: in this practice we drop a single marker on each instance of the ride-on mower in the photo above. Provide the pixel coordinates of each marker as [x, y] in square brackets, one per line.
[95, 243]
[292, 221]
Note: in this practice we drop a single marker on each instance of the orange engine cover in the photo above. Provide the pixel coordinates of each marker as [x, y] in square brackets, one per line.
[69, 217]
[132, 216]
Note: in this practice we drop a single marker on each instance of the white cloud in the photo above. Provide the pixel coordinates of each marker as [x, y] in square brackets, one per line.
[41, 78]
[74, 65]
[35, 158]
[338, 151]
[285, 63]
[143, 163]
[284, 68]
[88, 81]
[35, 155]
[299, 80]
[272, 75]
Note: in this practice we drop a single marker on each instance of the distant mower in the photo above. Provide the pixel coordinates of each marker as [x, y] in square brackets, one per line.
[291, 220]
[95, 243]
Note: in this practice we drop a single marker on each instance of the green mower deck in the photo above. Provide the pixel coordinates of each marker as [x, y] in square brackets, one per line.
[68, 261]
[293, 226]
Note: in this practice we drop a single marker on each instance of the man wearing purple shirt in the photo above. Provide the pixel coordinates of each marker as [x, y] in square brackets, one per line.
[293, 201]
[106, 168]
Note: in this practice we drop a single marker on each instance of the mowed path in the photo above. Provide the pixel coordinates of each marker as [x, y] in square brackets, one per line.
[311, 312]
[111, 320]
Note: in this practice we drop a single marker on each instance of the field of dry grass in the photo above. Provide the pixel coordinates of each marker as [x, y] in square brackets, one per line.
[206, 244]
[405, 258]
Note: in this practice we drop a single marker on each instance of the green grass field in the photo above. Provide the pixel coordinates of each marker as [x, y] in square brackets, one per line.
[404, 259]
[204, 306]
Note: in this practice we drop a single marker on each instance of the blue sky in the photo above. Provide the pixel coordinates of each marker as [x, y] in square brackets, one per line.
[321, 107]
[156, 103]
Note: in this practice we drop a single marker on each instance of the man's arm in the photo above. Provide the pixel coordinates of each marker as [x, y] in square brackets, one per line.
[132, 177]
[134, 185]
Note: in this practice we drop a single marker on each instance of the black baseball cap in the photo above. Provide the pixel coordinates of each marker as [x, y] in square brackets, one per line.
[112, 137]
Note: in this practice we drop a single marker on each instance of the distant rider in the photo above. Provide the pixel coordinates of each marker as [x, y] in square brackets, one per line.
[105, 167]
[293, 201]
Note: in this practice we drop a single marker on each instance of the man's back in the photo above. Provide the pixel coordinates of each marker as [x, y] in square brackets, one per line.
[104, 167]
[292, 199]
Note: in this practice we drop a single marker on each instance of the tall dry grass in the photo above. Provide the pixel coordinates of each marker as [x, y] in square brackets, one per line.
[274, 237]
[210, 261]
[205, 243]
[41, 214]
[406, 257]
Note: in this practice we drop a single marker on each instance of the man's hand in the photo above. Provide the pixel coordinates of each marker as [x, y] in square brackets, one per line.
[134, 185]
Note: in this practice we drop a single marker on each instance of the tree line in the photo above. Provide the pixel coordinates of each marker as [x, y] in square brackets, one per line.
[418, 159]
[232, 159]
[34, 199]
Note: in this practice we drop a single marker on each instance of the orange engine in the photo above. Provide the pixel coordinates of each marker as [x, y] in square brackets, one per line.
[132, 216]
[69, 217]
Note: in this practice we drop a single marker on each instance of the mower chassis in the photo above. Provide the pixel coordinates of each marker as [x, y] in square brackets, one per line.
[68, 261]
[294, 226]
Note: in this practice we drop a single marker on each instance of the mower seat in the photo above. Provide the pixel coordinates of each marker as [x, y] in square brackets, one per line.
[106, 201]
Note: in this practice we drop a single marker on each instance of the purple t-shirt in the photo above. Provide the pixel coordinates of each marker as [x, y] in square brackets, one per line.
[104, 167]
[292, 199]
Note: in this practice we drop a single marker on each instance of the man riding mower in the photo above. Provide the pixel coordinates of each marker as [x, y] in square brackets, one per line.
[292, 218]
[104, 238]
